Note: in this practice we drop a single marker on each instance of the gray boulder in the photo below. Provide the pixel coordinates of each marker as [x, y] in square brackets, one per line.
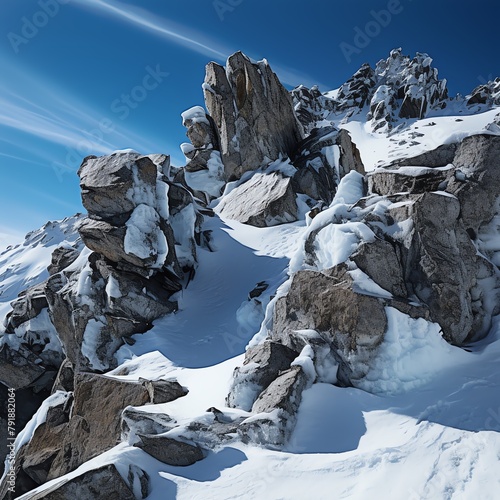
[261, 366]
[105, 482]
[477, 188]
[382, 261]
[169, 450]
[91, 423]
[62, 257]
[275, 410]
[163, 391]
[443, 267]
[414, 180]
[439, 157]
[264, 200]
[352, 323]
[125, 197]
[253, 114]
[135, 421]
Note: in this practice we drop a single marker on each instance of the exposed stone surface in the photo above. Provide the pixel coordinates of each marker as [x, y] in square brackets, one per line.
[443, 267]
[262, 365]
[382, 262]
[127, 223]
[407, 179]
[62, 257]
[275, 407]
[440, 157]
[163, 391]
[478, 159]
[311, 106]
[170, 451]
[92, 422]
[135, 421]
[264, 200]
[486, 94]
[325, 301]
[105, 482]
[253, 114]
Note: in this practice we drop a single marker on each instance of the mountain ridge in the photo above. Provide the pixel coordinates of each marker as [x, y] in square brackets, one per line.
[328, 256]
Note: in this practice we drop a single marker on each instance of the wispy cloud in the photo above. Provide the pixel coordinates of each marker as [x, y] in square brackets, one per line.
[42, 110]
[189, 38]
[158, 25]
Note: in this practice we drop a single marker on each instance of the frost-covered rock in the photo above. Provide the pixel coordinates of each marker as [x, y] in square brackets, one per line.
[253, 114]
[275, 409]
[415, 180]
[262, 365]
[204, 172]
[80, 427]
[487, 94]
[96, 307]
[125, 196]
[398, 88]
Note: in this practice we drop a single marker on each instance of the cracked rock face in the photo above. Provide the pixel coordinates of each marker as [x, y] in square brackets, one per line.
[253, 114]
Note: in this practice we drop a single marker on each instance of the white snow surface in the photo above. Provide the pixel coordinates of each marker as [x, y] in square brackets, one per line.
[429, 427]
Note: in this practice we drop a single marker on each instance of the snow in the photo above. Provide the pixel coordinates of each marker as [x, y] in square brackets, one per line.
[211, 180]
[196, 114]
[112, 288]
[423, 424]
[412, 353]
[377, 149]
[186, 148]
[144, 238]
[305, 361]
[91, 340]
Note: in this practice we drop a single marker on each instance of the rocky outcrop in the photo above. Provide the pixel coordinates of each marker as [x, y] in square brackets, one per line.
[415, 180]
[477, 183]
[170, 451]
[399, 87]
[487, 94]
[87, 423]
[253, 114]
[265, 200]
[311, 106]
[104, 482]
[128, 220]
[416, 251]
[275, 410]
[204, 172]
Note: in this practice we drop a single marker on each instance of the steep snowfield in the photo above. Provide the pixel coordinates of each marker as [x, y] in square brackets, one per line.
[429, 429]
[25, 265]
[438, 439]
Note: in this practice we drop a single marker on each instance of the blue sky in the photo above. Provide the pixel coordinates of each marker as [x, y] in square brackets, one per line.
[91, 76]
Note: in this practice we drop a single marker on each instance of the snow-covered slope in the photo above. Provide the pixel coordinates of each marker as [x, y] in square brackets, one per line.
[25, 264]
[440, 440]
[423, 419]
